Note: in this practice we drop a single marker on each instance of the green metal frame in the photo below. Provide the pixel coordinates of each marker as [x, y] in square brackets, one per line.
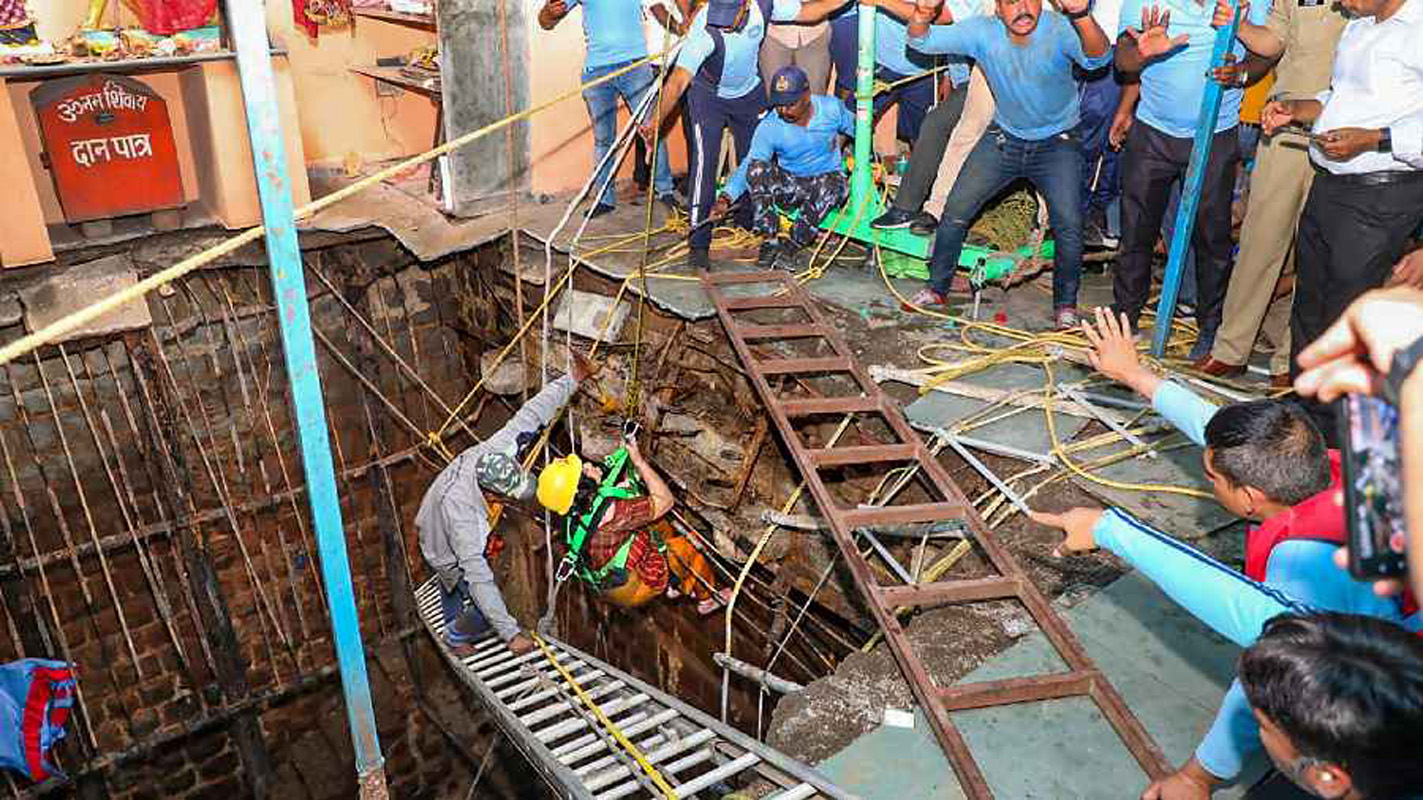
[853, 220]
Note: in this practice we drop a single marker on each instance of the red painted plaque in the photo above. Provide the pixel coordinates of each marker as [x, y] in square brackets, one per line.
[109, 146]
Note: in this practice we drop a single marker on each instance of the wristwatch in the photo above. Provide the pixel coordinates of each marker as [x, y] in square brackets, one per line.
[1385, 144]
[1405, 363]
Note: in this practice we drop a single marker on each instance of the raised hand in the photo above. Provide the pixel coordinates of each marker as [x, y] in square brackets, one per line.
[1114, 354]
[1151, 39]
[1224, 13]
[1074, 6]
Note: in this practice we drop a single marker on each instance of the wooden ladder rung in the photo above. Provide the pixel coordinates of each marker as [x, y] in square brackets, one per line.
[829, 405]
[800, 331]
[761, 301]
[899, 515]
[1017, 690]
[965, 591]
[781, 366]
[860, 454]
[725, 278]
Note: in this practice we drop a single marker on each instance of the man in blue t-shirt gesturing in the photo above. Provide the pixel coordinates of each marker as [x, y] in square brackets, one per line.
[615, 38]
[1026, 54]
[793, 166]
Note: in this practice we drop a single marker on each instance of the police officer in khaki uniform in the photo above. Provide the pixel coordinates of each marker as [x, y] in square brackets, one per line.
[1303, 34]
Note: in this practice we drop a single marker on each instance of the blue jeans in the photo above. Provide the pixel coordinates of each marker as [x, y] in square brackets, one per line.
[602, 101]
[457, 607]
[1053, 165]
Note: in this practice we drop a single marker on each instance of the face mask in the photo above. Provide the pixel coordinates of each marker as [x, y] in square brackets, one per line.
[502, 474]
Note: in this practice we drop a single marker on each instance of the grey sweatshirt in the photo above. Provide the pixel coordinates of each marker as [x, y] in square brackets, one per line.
[454, 520]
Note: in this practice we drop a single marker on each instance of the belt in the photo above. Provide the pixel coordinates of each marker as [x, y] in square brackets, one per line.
[1381, 178]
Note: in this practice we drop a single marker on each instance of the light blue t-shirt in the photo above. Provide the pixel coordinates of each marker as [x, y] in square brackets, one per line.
[741, 64]
[1172, 85]
[613, 31]
[1033, 85]
[801, 151]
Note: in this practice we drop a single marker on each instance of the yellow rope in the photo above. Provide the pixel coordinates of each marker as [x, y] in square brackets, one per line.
[613, 729]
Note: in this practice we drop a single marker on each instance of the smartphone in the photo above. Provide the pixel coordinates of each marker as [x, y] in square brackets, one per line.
[1373, 487]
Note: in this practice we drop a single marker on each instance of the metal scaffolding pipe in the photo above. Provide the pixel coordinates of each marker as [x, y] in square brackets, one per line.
[249, 35]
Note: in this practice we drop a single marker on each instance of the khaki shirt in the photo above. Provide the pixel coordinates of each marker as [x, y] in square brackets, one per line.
[1310, 34]
[793, 35]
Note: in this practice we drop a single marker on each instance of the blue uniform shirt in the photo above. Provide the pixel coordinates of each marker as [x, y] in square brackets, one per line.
[741, 61]
[803, 152]
[612, 30]
[1172, 85]
[1033, 85]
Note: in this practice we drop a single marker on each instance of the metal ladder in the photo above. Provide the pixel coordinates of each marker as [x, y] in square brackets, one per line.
[757, 293]
[532, 702]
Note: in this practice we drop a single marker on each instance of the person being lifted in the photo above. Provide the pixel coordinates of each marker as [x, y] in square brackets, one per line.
[793, 166]
[1026, 54]
[454, 527]
[719, 70]
[617, 540]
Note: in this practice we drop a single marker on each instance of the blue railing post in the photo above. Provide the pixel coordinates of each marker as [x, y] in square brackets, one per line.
[1191, 190]
[249, 34]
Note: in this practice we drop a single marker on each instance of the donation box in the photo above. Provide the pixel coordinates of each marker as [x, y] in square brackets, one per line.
[109, 146]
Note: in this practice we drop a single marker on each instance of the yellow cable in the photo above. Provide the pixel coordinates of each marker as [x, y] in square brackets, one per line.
[613, 729]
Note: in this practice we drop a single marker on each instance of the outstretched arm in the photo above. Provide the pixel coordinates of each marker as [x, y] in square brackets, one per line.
[1095, 43]
[672, 90]
[1114, 355]
[657, 489]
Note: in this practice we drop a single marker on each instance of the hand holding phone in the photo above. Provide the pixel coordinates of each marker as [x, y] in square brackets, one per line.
[1373, 487]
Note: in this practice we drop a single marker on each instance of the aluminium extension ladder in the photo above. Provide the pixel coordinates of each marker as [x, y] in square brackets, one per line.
[532, 703]
[741, 297]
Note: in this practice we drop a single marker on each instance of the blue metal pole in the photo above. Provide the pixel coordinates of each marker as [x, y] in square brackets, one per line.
[249, 33]
[1191, 191]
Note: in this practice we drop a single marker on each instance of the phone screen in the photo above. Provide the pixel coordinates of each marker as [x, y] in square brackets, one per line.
[1373, 487]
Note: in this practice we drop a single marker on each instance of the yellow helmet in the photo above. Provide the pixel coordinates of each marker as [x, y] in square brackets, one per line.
[558, 483]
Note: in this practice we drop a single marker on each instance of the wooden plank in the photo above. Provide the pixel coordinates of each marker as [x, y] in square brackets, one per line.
[967, 591]
[782, 366]
[829, 405]
[860, 454]
[899, 515]
[1008, 691]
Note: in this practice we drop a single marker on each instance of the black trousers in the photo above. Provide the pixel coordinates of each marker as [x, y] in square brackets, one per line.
[1351, 235]
[929, 149]
[1151, 162]
[710, 115]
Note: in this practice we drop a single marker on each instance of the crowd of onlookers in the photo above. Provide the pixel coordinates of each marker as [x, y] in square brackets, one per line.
[1319, 139]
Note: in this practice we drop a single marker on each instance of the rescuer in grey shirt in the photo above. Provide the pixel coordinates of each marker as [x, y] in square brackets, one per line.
[453, 520]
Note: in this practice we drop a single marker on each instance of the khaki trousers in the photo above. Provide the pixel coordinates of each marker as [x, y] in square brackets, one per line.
[1278, 188]
[977, 115]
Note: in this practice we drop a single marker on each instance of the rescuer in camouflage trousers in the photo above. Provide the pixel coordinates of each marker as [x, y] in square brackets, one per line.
[772, 188]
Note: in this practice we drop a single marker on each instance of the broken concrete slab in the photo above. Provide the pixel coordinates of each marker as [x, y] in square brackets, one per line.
[64, 292]
[592, 316]
[1026, 430]
[508, 378]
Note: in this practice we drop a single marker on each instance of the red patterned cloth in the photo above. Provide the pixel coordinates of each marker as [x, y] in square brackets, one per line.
[13, 14]
[167, 17]
[622, 517]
